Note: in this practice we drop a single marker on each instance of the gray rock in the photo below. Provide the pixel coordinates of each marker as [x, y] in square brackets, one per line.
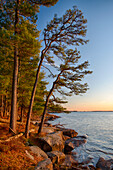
[45, 165]
[104, 164]
[51, 142]
[39, 152]
[56, 156]
[69, 161]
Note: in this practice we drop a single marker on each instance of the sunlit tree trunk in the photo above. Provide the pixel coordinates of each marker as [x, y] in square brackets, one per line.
[13, 117]
[32, 98]
[46, 104]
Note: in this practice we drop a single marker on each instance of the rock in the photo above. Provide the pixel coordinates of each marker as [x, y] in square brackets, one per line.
[29, 155]
[87, 160]
[104, 164]
[69, 146]
[83, 136]
[85, 167]
[48, 129]
[70, 132]
[51, 142]
[76, 141]
[92, 167]
[56, 156]
[65, 137]
[45, 165]
[39, 152]
[69, 161]
[52, 156]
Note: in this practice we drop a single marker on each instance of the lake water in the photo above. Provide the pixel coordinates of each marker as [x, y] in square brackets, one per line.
[98, 126]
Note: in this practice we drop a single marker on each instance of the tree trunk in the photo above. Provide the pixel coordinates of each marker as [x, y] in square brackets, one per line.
[34, 90]
[47, 101]
[32, 98]
[2, 103]
[45, 108]
[43, 116]
[13, 117]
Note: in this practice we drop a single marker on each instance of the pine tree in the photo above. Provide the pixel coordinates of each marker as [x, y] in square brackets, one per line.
[67, 80]
[6, 64]
[59, 33]
[12, 14]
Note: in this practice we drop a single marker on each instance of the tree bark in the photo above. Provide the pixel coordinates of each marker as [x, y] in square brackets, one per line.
[32, 98]
[47, 101]
[13, 116]
[45, 108]
[34, 89]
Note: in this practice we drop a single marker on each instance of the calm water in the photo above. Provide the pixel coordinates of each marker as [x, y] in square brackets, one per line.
[99, 128]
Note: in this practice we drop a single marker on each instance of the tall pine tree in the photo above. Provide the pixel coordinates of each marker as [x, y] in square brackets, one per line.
[12, 14]
[70, 29]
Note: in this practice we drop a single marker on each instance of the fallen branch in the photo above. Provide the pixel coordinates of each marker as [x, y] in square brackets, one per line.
[11, 138]
[15, 137]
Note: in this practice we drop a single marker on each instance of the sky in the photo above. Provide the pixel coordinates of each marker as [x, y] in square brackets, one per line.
[99, 51]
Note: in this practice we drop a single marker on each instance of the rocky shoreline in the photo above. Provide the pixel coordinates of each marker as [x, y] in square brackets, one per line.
[56, 145]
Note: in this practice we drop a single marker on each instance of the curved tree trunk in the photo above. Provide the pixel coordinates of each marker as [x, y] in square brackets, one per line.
[47, 101]
[32, 98]
[34, 90]
[13, 117]
[45, 108]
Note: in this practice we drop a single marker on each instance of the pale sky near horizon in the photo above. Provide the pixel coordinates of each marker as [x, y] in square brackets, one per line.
[99, 51]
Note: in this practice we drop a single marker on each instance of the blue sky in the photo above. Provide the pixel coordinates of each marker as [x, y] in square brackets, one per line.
[99, 51]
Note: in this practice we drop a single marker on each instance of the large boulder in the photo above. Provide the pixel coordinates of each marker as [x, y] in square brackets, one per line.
[51, 142]
[56, 156]
[45, 165]
[39, 152]
[104, 164]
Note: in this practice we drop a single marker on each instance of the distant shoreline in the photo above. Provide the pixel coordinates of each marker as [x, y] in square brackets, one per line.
[90, 111]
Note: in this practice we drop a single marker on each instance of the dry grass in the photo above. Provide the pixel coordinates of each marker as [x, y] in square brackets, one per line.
[13, 156]
[4, 129]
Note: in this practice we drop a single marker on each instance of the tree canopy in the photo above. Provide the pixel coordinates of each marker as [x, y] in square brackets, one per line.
[68, 30]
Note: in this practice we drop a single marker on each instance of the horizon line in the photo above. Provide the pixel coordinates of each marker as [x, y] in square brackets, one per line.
[90, 110]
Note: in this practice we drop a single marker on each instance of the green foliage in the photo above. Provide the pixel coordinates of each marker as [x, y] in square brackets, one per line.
[28, 51]
[46, 3]
[56, 108]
